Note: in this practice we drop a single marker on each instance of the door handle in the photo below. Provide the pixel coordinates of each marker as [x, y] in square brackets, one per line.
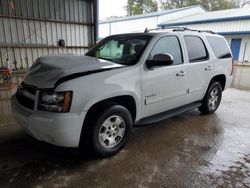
[208, 68]
[180, 73]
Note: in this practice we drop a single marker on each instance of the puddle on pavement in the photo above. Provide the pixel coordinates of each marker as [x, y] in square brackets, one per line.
[230, 164]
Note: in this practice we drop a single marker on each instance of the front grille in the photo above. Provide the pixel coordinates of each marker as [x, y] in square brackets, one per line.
[26, 96]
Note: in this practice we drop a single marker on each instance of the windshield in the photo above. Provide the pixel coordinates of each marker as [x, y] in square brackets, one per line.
[122, 49]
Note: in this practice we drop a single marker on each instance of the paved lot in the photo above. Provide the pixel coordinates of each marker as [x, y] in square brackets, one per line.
[189, 150]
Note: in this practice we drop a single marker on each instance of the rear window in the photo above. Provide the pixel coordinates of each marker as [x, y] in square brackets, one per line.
[196, 49]
[219, 47]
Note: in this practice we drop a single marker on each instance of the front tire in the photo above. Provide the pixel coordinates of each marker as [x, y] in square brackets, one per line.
[111, 130]
[212, 99]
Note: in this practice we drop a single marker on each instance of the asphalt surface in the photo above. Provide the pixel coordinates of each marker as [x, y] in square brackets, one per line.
[189, 150]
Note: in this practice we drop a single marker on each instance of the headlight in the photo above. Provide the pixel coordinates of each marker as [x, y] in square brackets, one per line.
[55, 101]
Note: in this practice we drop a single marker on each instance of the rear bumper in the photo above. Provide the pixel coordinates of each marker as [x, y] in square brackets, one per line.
[61, 129]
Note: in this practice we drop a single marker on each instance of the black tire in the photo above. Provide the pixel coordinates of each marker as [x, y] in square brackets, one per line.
[98, 143]
[211, 101]
[5, 76]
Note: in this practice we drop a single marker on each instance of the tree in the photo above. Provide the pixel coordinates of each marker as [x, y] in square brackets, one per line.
[223, 4]
[243, 3]
[210, 5]
[135, 7]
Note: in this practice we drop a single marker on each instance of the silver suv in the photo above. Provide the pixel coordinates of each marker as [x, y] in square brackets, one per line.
[68, 100]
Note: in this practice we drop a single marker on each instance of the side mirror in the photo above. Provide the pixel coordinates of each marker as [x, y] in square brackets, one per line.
[160, 60]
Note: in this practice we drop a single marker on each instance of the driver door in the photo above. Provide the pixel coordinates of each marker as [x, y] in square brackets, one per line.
[164, 87]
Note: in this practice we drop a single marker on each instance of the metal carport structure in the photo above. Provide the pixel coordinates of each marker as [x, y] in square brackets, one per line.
[33, 28]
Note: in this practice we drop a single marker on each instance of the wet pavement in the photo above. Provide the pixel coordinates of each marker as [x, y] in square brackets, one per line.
[189, 150]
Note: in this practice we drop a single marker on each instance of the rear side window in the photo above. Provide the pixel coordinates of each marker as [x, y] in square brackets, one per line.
[196, 49]
[219, 47]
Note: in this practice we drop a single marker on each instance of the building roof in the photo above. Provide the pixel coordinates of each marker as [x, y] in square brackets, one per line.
[214, 16]
[234, 33]
[152, 14]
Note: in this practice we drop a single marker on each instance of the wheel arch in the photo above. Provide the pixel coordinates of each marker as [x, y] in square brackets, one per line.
[221, 78]
[127, 101]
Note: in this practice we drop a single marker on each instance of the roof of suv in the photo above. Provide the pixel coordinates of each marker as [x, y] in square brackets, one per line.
[160, 31]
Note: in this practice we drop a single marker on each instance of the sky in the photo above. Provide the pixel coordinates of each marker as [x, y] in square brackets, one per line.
[109, 8]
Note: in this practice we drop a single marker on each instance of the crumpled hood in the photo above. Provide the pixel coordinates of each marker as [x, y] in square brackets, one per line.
[49, 69]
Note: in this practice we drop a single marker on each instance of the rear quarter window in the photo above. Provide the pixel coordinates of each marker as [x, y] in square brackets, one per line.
[219, 47]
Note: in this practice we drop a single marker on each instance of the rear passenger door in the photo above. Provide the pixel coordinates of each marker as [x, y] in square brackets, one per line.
[198, 69]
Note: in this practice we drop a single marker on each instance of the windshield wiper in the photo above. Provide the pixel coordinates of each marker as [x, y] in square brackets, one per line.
[104, 58]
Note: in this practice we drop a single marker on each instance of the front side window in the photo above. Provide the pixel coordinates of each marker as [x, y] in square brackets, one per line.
[196, 49]
[169, 45]
[122, 49]
[219, 46]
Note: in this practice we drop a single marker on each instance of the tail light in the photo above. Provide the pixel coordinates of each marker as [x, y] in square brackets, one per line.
[232, 71]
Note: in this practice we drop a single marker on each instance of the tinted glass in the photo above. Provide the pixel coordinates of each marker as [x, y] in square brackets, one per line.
[219, 47]
[122, 49]
[196, 49]
[170, 45]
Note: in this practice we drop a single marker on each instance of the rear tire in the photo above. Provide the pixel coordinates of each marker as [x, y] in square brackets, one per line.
[212, 99]
[110, 130]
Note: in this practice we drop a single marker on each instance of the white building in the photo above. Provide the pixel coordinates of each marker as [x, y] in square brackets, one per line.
[234, 24]
[138, 23]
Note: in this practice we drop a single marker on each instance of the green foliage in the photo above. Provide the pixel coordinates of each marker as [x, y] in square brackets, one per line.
[135, 7]
[208, 4]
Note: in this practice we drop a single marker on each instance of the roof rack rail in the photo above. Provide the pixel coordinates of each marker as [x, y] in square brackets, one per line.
[200, 31]
[162, 28]
[176, 28]
[155, 29]
[185, 28]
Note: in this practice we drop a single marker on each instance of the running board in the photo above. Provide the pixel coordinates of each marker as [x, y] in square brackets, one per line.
[170, 113]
